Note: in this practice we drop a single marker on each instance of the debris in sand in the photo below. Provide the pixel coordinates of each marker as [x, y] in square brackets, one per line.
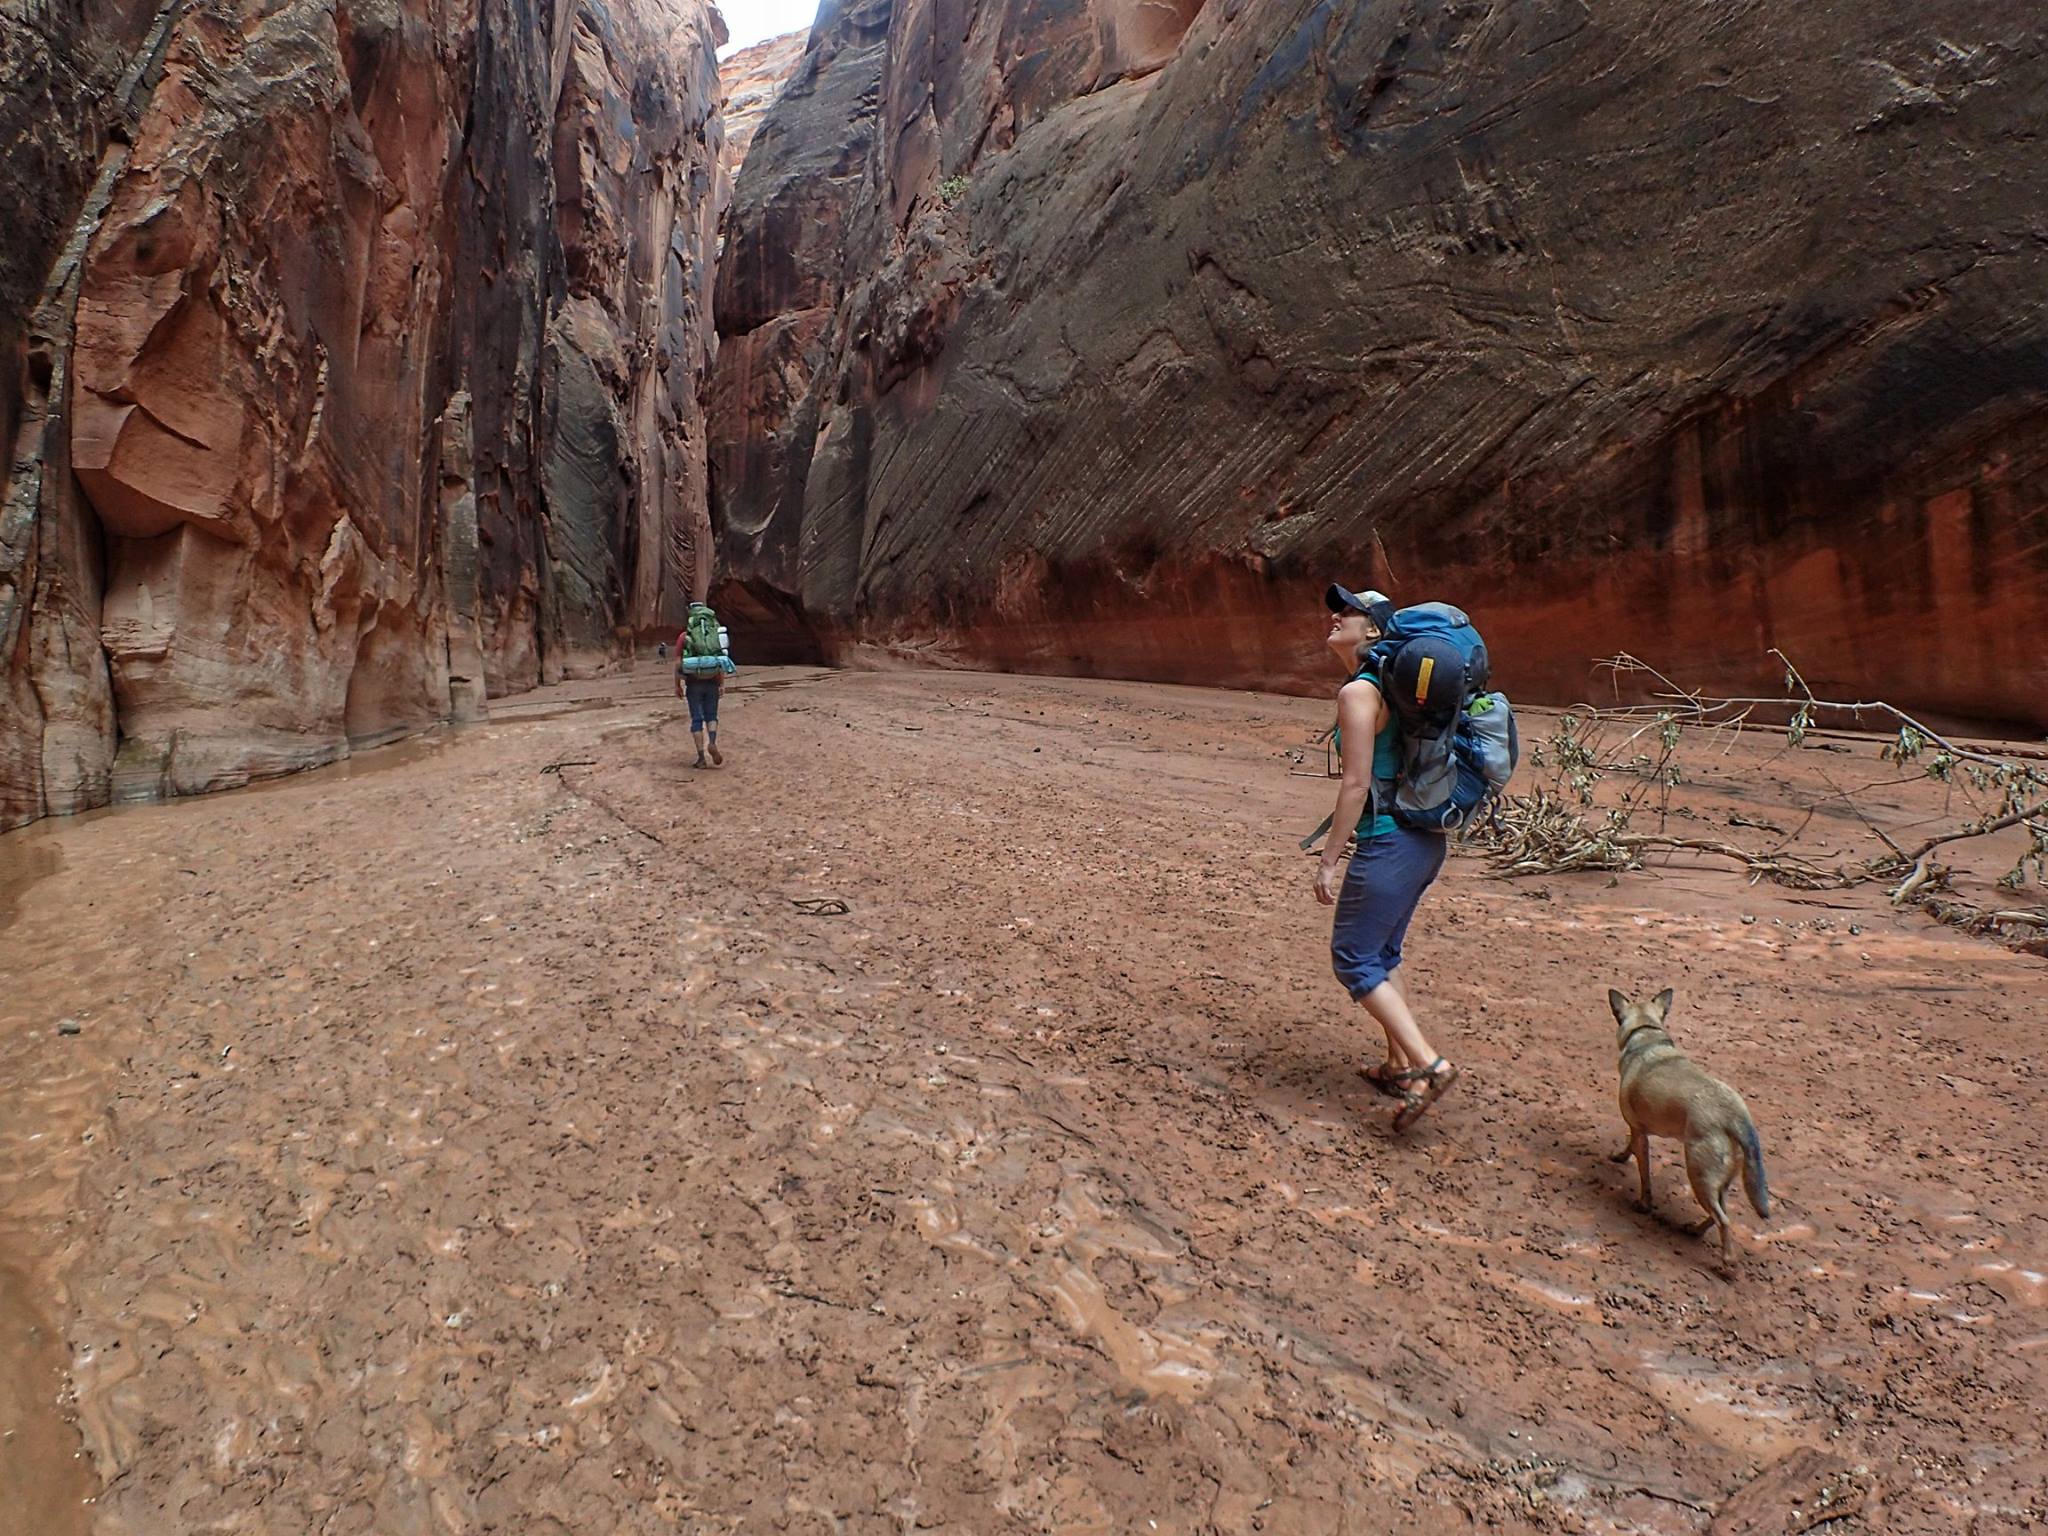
[820, 906]
[69, 1027]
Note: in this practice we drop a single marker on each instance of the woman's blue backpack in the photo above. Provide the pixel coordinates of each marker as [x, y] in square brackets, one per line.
[1458, 740]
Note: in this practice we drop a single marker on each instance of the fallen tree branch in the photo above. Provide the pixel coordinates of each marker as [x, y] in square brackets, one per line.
[1981, 828]
[1567, 824]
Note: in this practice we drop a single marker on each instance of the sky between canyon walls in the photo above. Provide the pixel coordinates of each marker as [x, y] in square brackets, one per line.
[753, 21]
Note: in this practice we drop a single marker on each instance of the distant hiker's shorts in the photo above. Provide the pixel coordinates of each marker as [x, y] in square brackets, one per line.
[702, 693]
[1381, 888]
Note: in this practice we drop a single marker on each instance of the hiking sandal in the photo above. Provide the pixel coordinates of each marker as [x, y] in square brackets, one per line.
[1381, 1075]
[1415, 1105]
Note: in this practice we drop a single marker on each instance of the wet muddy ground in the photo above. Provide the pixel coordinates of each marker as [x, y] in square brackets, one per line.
[448, 1144]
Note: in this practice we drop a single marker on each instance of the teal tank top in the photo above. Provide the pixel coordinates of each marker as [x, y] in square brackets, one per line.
[1386, 764]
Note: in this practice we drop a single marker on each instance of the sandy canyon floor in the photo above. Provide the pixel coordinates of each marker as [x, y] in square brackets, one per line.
[452, 1141]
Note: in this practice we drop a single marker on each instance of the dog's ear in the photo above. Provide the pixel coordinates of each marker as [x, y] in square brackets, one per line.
[1663, 1005]
[1619, 1004]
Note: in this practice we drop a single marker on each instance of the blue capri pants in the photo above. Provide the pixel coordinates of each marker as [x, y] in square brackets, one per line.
[1387, 877]
[702, 692]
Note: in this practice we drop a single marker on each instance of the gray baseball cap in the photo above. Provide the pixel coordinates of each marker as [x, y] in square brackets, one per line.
[1376, 606]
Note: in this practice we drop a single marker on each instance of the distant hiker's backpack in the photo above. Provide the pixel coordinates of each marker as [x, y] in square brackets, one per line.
[1458, 740]
[702, 642]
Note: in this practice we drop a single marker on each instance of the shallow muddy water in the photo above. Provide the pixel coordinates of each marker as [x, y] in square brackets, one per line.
[494, 1133]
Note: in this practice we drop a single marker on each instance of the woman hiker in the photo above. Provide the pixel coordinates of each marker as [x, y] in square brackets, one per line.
[1392, 867]
[703, 662]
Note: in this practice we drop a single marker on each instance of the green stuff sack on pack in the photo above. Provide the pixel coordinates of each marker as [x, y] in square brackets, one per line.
[700, 633]
[702, 642]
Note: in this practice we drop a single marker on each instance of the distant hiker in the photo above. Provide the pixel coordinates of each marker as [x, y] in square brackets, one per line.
[661, 651]
[1441, 746]
[702, 666]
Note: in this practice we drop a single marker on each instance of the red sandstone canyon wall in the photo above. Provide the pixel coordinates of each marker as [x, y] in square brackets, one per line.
[352, 371]
[1092, 337]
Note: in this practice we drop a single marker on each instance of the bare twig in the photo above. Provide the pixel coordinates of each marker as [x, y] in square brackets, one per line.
[592, 796]
[1908, 887]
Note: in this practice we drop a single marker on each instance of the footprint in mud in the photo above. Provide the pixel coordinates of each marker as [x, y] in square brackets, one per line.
[938, 1217]
[1088, 1227]
[1149, 1358]
[1744, 1414]
[1557, 1298]
[2023, 1287]
[1058, 1259]
[1174, 1354]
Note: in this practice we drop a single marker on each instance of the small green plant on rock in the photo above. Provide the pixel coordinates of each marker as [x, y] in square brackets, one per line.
[952, 189]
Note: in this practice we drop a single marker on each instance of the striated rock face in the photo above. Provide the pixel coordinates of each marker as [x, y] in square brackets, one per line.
[800, 211]
[1097, 337]
[371, 384]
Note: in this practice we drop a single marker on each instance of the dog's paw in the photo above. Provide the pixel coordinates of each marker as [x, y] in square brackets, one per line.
[1624, 1154]
[1644, 1206]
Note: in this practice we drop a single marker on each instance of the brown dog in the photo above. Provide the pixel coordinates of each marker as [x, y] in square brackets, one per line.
[1664, 1094]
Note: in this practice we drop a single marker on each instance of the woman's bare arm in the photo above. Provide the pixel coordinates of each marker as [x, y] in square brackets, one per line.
[1359, 712]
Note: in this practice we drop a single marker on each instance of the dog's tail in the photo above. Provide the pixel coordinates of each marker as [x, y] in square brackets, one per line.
[1753, 1168]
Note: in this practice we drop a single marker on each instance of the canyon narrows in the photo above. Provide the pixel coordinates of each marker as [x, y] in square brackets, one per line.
[1095, 337]
[356, 360]
[351, 359]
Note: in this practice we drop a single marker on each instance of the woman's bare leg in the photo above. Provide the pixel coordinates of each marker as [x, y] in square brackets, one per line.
[1398, 1060]
[1407, 1046]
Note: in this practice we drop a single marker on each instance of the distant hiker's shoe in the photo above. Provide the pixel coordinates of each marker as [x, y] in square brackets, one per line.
[700, 763]
[1437, 1078]
[717, 757]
